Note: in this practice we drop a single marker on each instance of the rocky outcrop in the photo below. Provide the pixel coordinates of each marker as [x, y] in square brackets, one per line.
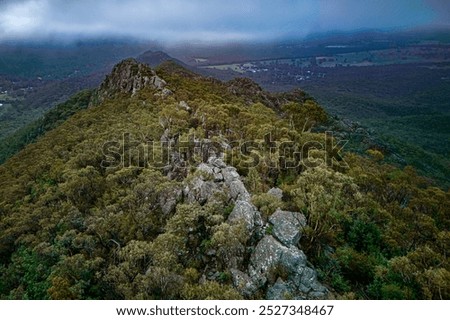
[129, 77]
[246, 212]
[243, 283]
[168, 200]
[280, 291]
[276, 265]
[215, 178]
[276, 192]
[185, 106]
[273, 259]
[249, 90]
[201, 189]
[287, 226]
[270, 254]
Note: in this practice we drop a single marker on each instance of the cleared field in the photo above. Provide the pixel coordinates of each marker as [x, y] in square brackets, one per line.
[236, 67]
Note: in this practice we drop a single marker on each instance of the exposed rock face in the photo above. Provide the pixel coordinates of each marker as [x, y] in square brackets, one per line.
[275, 262]
[247, 212]
[243, 283]
[287, 226]
[276, 192]
[201, 190]
[156, 82]
[218, 178]
[128, 77]
[184, 105]
[169, 199]
[222, 174]
[271, 256]
[280, 291]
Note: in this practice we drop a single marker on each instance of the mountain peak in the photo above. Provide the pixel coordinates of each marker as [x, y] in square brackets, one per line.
[128, 77]
[155, 58]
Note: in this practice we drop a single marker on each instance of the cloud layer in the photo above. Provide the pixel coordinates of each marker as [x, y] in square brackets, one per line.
[212, 20]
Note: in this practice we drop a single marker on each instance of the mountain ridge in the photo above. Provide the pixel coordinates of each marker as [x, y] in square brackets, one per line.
[212, 193]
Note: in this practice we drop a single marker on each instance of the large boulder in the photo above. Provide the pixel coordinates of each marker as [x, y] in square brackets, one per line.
[225, 177]
[243, 283]
[306, 283]
[217, 162]
[157, 82]
[169, 198]
[270, 256]
[205, 168]
[201, 191]
[238, 191]
[246, 212]
[276, 262]
[234, 183]
[276, 192]
[280, 291]
[287, 226]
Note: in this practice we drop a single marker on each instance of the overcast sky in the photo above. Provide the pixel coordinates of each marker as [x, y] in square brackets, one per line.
[210, 20]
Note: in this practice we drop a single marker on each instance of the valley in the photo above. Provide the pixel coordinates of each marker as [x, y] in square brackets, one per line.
[401, 95]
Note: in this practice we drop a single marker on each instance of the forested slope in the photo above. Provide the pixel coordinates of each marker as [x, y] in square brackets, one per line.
[174, 186]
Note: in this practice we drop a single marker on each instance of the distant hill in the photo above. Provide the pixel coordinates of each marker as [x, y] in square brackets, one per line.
[50, 120]
[155, 58]
[39, 77]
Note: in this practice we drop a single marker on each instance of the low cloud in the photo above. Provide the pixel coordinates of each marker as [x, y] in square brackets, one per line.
[213, 20]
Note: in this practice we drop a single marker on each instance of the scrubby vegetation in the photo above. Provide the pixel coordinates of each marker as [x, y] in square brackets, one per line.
[73, 228]
[52, 119]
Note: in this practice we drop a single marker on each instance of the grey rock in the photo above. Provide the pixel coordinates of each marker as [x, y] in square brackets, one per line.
[166, 135]
[127, 77]
[208, 192]
[192, 190]
[168, 200]
[166, 92]
[230, 174]
[269, 254]
[225, 146]
[238, 191]
[184, 105]
[205, 168]
[217, 162]
[280, 291]
[276, 192]
[200, 191]
[218, 177]
[234, 183]
[301, 280]
[287, 226]
[157, 82]
[246, 212]
[306, 282]
[243, 283]
[214, 276]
